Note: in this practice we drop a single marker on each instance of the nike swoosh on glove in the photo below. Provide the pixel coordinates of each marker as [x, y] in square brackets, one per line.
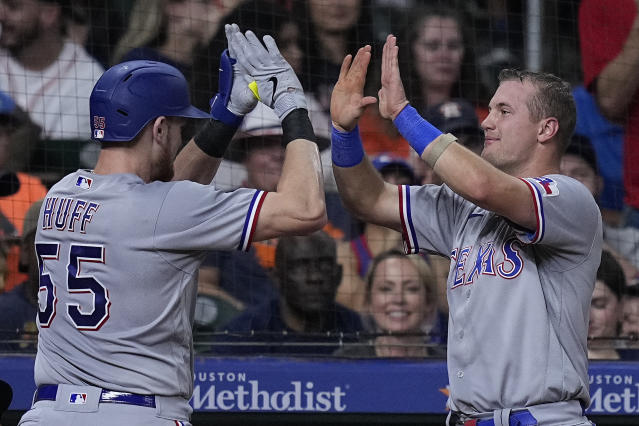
[277, 85]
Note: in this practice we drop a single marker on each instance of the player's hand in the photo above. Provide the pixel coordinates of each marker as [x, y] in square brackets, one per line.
[242, 100]
[234, 98]
[392, 98]
[277, 85]
[347, 100]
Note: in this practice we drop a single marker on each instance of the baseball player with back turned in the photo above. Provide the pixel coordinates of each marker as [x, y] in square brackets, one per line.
[119, 247]
[524, 241]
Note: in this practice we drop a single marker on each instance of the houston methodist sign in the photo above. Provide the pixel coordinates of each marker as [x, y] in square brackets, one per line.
[339, 386]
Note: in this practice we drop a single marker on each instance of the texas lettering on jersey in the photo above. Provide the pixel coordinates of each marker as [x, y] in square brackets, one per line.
[68, 214]
[507, 264]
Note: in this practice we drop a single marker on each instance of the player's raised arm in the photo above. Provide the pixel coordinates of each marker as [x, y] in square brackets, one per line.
[298, 205]
[361, 188]
[464, 172]
[200, 158]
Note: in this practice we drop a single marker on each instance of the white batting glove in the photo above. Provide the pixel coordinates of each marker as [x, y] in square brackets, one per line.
[277, 85]
[242, 99]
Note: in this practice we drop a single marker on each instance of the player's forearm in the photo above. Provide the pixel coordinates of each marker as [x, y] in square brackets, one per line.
[301, 188]
[618, 82]
[360, 187]
[481, 183]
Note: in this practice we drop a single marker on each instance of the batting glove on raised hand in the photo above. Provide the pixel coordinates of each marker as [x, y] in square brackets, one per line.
[235, 98]
[277, 85]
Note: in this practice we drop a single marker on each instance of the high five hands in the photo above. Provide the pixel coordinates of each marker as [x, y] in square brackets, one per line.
[348, 101]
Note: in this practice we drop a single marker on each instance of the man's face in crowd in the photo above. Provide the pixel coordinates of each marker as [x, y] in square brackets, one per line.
[578, 169]
[20, 20]
[310, 275]
[264, 166]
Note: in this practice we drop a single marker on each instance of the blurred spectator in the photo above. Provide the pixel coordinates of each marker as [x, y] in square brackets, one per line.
[19, 307]
[609, 41]
[18, 190]
[168, 31]
[441, 65]
[333, 28]
[630, 321]
[457, 116]
[630, 311]
[607, 140]
[605, 308]
[214, 308]
[401, 299]
[97, 25]
[46, 74]
[580, 162]
[305, 312]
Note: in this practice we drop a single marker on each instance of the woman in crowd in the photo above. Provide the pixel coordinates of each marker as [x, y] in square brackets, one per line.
[401, 297]
[605, 308]
[440, 67]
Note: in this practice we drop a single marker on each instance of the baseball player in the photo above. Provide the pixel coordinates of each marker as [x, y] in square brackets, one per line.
[119, 247]
[524, 241]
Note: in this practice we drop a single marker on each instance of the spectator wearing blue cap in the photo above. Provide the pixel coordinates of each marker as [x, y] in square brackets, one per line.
[458, 116]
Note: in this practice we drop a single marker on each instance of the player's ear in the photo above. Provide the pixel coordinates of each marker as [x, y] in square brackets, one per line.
[548, 128]
[161, 130]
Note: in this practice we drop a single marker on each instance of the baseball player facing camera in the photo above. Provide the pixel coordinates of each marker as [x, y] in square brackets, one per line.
[524, 241]
[119, 247]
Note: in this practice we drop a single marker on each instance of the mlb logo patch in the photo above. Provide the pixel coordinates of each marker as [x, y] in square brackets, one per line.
[98, 134]
[84, 182]
[78, 398]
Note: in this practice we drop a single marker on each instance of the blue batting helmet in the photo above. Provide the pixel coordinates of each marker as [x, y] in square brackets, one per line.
[131, 94]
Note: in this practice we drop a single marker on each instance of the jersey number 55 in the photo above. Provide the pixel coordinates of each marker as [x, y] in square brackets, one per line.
[84, 319]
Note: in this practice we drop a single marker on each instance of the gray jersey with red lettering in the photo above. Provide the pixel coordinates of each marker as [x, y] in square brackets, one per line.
[118, 262]
[519, 301]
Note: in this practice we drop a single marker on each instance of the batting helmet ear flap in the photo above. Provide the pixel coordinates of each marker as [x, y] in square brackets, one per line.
[129, 95]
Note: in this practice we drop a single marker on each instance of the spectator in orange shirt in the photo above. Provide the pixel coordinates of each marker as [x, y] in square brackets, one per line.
[18, 190]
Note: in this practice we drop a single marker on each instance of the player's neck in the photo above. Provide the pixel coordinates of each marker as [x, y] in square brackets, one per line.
[533, 168]
[117, 160]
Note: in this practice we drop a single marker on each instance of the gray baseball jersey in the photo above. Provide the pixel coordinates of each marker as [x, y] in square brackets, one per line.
[118, 260]
[519, 301]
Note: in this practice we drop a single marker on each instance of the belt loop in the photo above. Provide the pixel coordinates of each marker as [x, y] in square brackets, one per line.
[502, 417]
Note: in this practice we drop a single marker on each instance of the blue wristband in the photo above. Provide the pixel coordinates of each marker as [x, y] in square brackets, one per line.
[346, 147]
[417, 131]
